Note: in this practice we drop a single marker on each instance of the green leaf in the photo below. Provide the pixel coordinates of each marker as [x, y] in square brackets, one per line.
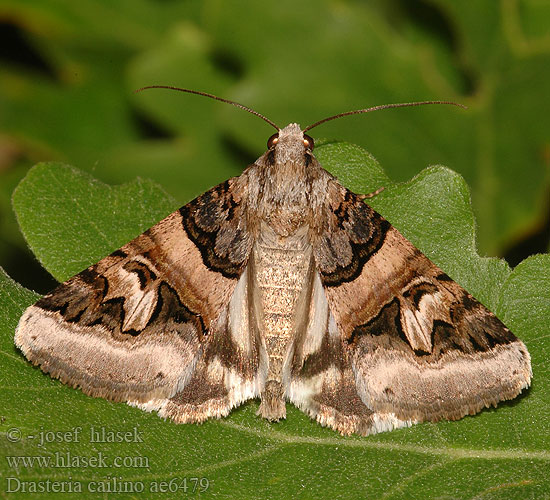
[70, 218]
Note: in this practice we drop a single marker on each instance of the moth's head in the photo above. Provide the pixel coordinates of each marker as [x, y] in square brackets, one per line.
[290, 144]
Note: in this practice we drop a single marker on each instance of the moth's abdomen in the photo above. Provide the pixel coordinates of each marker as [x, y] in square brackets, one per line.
[282, 266]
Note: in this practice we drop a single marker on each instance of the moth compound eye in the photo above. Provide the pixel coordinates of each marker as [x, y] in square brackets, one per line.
[308, 142]
[274, 139]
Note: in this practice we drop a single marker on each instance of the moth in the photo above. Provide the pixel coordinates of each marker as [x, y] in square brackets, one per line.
[284, 285]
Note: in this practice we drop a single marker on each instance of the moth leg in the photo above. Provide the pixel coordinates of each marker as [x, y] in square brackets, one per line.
[371, 195]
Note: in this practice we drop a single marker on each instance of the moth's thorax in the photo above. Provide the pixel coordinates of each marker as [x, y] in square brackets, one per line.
[283, 183]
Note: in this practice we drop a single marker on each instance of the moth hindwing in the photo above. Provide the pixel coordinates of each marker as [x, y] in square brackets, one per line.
[284, 285]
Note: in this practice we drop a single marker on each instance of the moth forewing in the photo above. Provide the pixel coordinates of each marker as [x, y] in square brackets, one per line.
[282, 284]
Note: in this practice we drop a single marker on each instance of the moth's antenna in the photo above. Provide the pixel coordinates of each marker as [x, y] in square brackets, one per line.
[383, 106]
[205, 94]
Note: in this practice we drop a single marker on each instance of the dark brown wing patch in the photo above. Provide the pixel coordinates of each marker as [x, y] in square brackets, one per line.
[354, 235]
[216, 225]
[83, 300]
[481, 329]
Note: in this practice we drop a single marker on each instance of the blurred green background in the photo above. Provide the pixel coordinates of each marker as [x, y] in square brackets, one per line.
[68, 70]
